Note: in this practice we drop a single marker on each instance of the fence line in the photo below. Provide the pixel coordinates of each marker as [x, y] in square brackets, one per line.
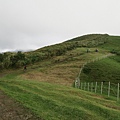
[107, 88]
[77, 81]
[102, 88]
[118, 95]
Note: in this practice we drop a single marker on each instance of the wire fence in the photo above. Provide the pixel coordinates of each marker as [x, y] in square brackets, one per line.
[105, 88]
[90, 61]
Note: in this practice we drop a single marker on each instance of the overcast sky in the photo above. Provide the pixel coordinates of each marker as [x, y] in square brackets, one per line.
[31, 24]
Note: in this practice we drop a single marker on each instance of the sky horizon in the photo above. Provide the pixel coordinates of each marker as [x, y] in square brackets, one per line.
[32, 24]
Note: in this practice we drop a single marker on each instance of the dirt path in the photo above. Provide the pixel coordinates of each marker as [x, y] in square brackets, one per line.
[12, 110]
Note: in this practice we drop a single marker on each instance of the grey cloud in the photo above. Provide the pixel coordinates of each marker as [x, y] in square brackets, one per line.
[31, 24]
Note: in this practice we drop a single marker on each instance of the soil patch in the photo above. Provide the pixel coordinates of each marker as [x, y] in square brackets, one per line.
[12, 110]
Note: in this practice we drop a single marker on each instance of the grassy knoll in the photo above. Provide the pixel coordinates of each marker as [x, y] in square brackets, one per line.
[54, 102]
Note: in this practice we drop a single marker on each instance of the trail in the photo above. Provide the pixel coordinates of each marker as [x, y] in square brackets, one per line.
[12, 110]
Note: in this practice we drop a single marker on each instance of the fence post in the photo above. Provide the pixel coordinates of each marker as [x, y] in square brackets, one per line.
[109, 90]
[118, 92]
[96, 87]
[78, 82]
[101, 87]
[75, 83]
[88, 86]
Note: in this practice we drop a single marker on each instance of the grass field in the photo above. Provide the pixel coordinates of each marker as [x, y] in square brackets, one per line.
[53, 101]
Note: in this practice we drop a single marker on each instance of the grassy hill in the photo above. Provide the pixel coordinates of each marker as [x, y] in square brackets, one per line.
[107, 69]
[46, 88]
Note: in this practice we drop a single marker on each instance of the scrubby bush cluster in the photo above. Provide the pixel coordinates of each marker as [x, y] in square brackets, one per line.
[12, 60]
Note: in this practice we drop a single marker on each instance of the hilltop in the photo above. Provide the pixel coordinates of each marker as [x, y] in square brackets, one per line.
[46, 88]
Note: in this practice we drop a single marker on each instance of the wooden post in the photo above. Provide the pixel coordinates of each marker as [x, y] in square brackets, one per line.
[118, 91]
[88, 86]
[109, 90]
[78, 82]
[96, 87]
[101, 87]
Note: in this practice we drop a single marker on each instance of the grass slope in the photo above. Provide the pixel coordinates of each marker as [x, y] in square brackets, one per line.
[52, 101]
[62, 69]
[107, 69]
[112, 44]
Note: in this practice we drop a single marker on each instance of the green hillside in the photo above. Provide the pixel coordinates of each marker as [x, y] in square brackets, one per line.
[47, 86]
[106, 69]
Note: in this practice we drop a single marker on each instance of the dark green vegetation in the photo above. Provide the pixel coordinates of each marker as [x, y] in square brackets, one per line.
[45, 88]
